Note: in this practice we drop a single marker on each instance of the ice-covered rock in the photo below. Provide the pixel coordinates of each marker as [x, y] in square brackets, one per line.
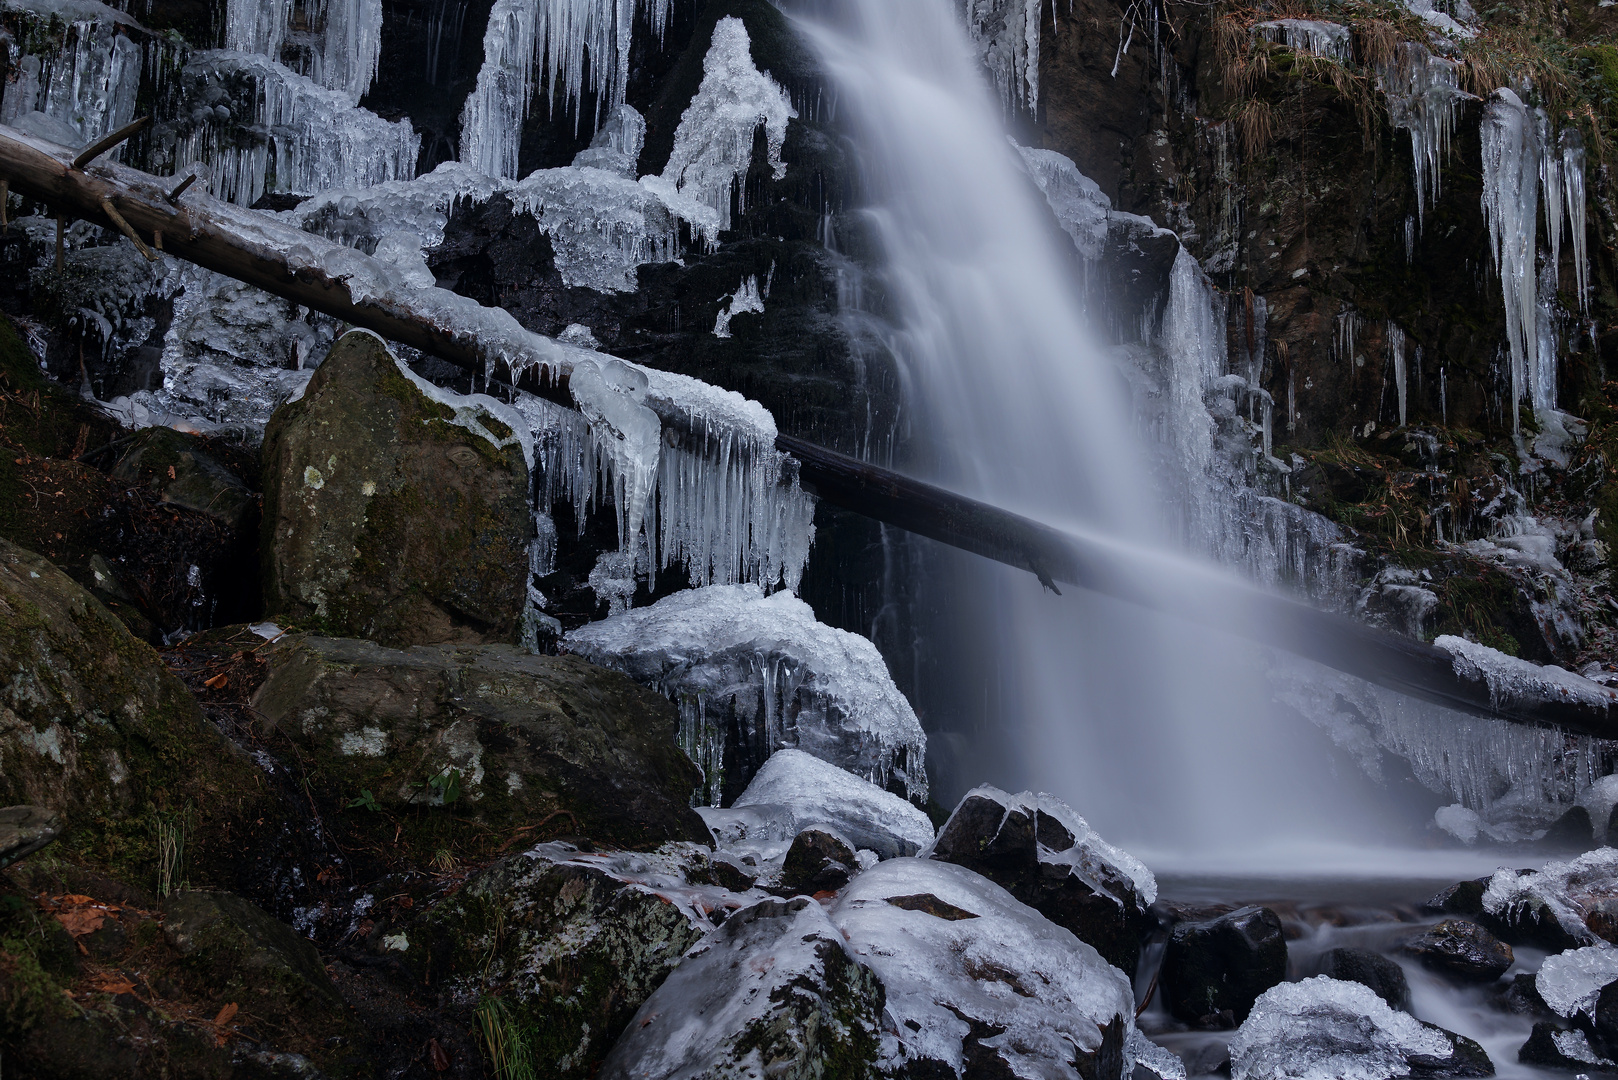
[971, 974]
[1568, 903]
[1570, 982]
[1554, 1048]
[1510, 679]
[1598, 800]
[1047, 856]
[713, 146]
[775, 984]
[1324, 1029]
[752, 674]
[795, 791]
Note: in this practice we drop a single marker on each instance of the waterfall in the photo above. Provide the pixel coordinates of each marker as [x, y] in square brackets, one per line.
[1161, 734]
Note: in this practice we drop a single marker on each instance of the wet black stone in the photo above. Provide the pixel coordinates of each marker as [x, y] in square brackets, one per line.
[1520, 995]
[1570, 832]
[1462, 949]
[1541, 1049]
[817, 862]
[1461, 898]
[1222, 965]
[1468, 1059]
[1370, 969]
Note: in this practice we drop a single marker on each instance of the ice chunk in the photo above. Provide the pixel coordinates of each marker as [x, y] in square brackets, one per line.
[1311, 36]
[361, 217]
[1080, 206]
[617, 145]
[556, 35]
[1598, 800]
[956, 953]
[282, 126]
[776, 978]
[799, 791]
[1571, 981]
[402, 249]
[713, 146]
[83, 76]
[745, 298]
[1326, 1029]
[1442, 21]
[729, 654]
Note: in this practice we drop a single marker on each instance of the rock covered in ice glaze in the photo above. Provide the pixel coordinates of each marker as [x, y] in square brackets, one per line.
[758, 673]
[1324, 1029]
[392, 513]
[492, 734]
[1570, 983]
[977, 983]
[795, 791]
[1047, 856]
[774, 985]
[1463, 949]
[1214, 969]
[1554, 1047]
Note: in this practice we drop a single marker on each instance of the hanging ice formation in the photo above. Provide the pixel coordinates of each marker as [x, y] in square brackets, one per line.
[90, 85]
[713, 145]
[1311, 36]
[334, 42]
[542, 45]
[301, 137]
[1396, 353]
[1007, 35]
[1423, 94]
[752, 674]
[746, 298]
[1573, 193]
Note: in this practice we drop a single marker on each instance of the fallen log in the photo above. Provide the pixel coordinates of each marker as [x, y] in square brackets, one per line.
[281, 259]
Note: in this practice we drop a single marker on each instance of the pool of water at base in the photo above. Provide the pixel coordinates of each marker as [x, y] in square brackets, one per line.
[1376, 904]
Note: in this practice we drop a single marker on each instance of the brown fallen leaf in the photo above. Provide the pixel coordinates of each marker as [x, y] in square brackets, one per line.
[112, 982]
[217, 681]
[81, 921]
[436, 1055]
[226, 1015]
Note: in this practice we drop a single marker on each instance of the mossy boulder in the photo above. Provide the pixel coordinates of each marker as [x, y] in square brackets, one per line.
[487, 734]
[389, 514]
[571, 950]
[95, 728]
[777, 985]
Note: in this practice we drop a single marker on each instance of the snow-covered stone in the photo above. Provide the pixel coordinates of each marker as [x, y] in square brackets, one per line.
[773, 986]
[1570, 982]
[1576, 900]
[1325, 1029]
[795, 791]
[1047, 856]
[960, 958]
[753, 674]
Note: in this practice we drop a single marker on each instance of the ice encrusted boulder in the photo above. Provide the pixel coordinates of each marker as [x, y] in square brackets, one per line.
[1571, 982]
[394, 511]
[978, 983]
[1323, 1029]
[752, 674]
[795, 791]
[1561, 905]
[771, 992]
[1036, 848]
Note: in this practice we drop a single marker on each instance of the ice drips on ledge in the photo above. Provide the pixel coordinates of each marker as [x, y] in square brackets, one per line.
[91, 84]
[1512, 680]
[1423, 95]
[1311, 36]
[1006, 33]
[752, 673]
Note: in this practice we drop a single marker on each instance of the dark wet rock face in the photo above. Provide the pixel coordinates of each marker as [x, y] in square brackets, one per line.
[1463, 950]
[1215, 969]
[814, 1011]
[1031, 853]
[1370, 969]
[1554, 1047]
[182, 472]
[24, 830]
[489, 733]
[817, 862]
[572, 950]
[386, 515]
[1461, 898]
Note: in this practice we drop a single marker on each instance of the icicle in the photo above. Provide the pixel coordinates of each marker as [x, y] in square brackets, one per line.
[1007, 35]
[90, 84]
[1573, 194]
[1542, 389]
[568, 31]
[1510, 203]
[343, 47]
[1550, 182]
[1396, 351]
[1311, 36]
[1410, 240]
[1423, 93]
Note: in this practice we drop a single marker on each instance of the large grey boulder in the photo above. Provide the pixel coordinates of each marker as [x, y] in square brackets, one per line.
[1047, 856]
[572, 949]
[393, 511]
[775, 981]
[489, 733]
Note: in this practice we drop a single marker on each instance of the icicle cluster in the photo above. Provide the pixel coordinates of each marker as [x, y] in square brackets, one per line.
[300, 136]
[1511, 159]
[1007, 35]
[1423, 94]
[1396, 354]
[1311, 36]
[90, 86]
[713, 146]
[334, 42]
[542, 45]
[732, 657]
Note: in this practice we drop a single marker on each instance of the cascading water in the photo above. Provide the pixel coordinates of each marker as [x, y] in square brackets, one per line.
[1161, 734]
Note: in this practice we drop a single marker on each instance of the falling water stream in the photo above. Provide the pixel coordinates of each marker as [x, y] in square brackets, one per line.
[1165, 736]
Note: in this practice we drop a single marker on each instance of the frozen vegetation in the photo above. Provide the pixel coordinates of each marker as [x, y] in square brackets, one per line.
[1326, 1029]
[1311, 36]
[729, 654]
